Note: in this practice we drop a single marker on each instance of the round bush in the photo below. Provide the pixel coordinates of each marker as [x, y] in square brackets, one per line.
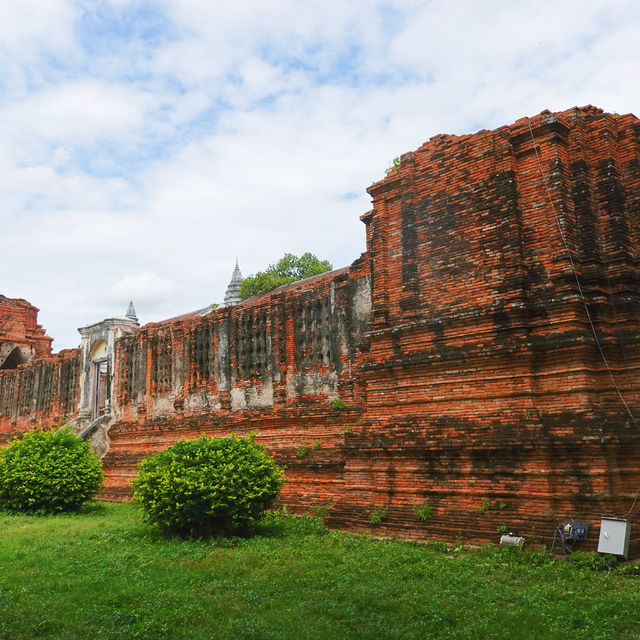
[210, 486]
[48, 472]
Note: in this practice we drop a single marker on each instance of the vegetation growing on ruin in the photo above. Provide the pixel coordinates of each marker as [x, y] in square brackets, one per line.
[47, 472]
[377, 516]
[208, 486]
[104, 573]
[288, 269]
[424, 511]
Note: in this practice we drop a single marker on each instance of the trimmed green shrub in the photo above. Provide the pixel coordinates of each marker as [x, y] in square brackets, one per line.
[48, 472]
[209, 486]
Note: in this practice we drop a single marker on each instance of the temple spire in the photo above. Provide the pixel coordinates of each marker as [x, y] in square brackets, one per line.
[232, 296]
[131, 314]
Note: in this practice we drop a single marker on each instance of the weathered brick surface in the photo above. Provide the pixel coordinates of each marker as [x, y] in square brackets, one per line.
[19, 330]
[484, 380]
[43, 393]
[36, 388]
[271, 365]
[459, 342]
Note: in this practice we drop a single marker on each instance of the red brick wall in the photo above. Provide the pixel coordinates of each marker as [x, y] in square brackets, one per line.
[272, 365]
[477, 385]
[19, 328]
[42, 393]
[484, 380]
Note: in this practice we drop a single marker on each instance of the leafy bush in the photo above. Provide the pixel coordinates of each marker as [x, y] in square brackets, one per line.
[209, 486]
[48, 472]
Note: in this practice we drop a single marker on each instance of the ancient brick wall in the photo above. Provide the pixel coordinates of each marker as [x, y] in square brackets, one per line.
[487, 394]
[21, 337]
[486, 348]
[36, 388]
[275, 365]
[43, 393]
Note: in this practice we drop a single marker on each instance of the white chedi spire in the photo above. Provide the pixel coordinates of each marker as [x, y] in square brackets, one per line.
[232, 296]
[131, 314]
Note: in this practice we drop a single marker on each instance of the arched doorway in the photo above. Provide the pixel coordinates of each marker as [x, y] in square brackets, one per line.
[97, 358]
[12, 361]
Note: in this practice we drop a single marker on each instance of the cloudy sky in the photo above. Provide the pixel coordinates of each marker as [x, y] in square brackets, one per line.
[145, 145]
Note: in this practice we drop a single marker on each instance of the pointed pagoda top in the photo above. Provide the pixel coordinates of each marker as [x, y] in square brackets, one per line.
[232, 296]
[131, 314]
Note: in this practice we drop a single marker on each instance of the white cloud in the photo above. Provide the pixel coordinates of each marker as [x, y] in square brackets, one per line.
[140, 159]
[30, 25]
[73, 113]
[147, 288]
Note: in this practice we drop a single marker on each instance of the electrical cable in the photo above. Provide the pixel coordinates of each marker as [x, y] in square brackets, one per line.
[580, 291]
[577, 279]
[633, 505]
[620, 340]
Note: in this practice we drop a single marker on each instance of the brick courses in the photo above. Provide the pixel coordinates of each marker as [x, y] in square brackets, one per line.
[484, 380]
[459, 343]
[19, 329]
[43, 393]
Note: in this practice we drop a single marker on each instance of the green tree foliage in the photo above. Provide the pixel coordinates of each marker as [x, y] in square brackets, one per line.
[209, 486]
[48, 472]
[288, 269]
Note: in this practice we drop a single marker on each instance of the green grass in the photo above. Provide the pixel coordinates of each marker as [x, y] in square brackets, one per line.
[106, 574]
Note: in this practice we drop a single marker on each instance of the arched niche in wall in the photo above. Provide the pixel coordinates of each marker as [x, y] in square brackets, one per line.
[15, 358]
[99, 350]
[100, 383]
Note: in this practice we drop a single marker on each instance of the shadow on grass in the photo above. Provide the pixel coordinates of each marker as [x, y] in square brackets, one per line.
[277, 525]
[93, 508]
[274, 526]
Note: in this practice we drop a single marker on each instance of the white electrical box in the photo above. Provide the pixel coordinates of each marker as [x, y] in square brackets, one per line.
[614, 536]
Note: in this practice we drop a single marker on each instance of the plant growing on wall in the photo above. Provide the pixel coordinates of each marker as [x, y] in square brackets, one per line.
[48, 472]
[321, 510]
[209, 486]
[377, 515]
[394, 166]
[423, 511]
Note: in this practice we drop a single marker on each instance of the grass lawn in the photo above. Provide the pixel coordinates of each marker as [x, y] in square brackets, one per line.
[106, 574]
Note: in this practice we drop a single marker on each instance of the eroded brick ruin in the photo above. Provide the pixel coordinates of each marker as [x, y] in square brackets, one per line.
[21, 337]
[460, 344]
